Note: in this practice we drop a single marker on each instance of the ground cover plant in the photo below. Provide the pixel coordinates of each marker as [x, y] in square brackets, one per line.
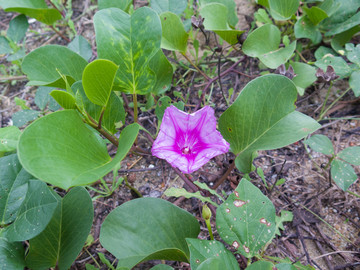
[168, 134]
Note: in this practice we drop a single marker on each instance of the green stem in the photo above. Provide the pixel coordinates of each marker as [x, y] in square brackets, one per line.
[207, 221]
[132, 188]
[332, 104]
[196, 67]
[352, 193]
[326, 99]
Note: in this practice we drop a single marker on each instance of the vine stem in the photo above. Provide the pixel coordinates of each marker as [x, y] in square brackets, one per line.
[59, 33]
[332, 104]
[326, 99]
[135, 108]
[196, 67]
[225, 175]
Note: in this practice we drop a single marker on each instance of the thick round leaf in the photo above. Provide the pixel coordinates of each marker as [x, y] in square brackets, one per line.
[42, 66]
[130, 42]
[62, 240]
[64, 99]
[146, 229]
[343, 174]
[315, 14]
[232, 18]
[9, 137]
[283, 9]
[246, 220]
[351, 155]
[34, 214]
[163, 70]
[339, 40]
[11, 255]
[216, 20]
[320, 143]
[81, 46]
[174, 6]
[34, 8]
[61, 150]
[344, 26]
[123, 4]
[98, 79]
[264, 42]
[304, 28]
[203, 250]
[263, 117]
[174, 37]
[305, 76]
[114, 111]
[13, 187]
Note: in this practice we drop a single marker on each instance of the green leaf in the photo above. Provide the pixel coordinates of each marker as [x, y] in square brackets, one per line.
[353, 53]
[285, 266]
[340, 66]
[61, 150]
[344, 26]
[264, 43]
[246, 220]
[304, 28]
[174, 6]
[205, 187]
[261, 16]
[285, 216]
[21, 103]
[322, 51]
[305, 76]
[161, 106]
[282, 10]
[161, 267]
[42, 66]
[232, 17]
[35, 8]
[339, 40]
[354, 82]
[260, 265]
[21, 118]
[98, 79]
[81, 46]
[130, 42]
[203, 250]
[343, 174]
[123, 4]
[11, 255]
[315, 14]
[4, 46]
[132, 232]
[114, 111]
[216, 20]
[14, 185]
[174, 37]
[320, 143]
[43, 98]
[163, 70]
[62, 240]
[34, 214]
[260, 120]
[64, 99]
[17, 28]
[351, 155]
[182, 192]
[9, 137]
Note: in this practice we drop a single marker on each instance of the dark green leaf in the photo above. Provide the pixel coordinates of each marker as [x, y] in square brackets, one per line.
[232, 17]
[315, 14]
[260, 265]
[14, 185]
[61, 150]
[131, 232]
[320, 143]
[123, 4]
[304, 28]
[340, 66]
[344, 26]
[354, 82]
[163, 70]
[63, 238]
[174, 6]
[305, 76]
[246, 220]
[17, 28]
[174, 37]
[343, 174]
[283, 9]
[161, 267]
[43, 98]
[81, 46]
[351, 155]
[9, 137]
[21, 118]
[34, 214]
[339, 40]
[11, 255]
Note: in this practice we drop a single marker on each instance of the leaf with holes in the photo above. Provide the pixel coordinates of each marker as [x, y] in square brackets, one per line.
[320, 143]
[285, 216]
[42, 66]
[204, 251]
[264, 42]
[34, 8]
[246, 220]
[130, 42]
[9, 137]
[14, 185]
[216, 20]
[34, 214]
[62, 240]
[61, 150]
[131, 232]
[343, 174]
[11, 255]
[260, 120]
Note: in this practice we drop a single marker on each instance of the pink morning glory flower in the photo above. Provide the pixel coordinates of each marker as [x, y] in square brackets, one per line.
[188, 141]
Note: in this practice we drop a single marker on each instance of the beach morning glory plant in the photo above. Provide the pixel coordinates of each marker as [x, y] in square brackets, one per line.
[188, 141]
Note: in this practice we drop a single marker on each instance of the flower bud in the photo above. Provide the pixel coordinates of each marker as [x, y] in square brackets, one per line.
[206, 212]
